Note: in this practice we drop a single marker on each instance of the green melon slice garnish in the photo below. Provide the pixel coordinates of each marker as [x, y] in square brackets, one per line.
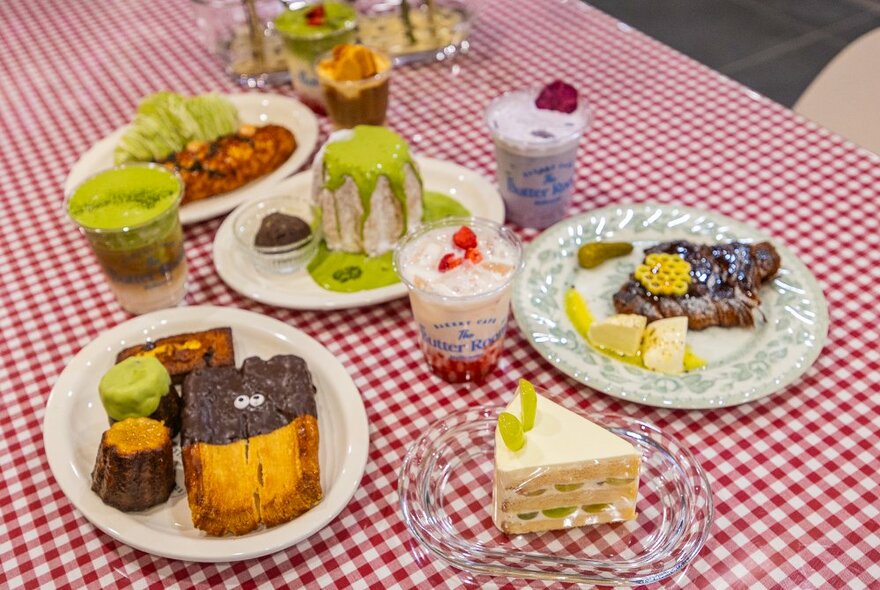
[533, 493]
[619, 481]
[511, 431]
[529, 400]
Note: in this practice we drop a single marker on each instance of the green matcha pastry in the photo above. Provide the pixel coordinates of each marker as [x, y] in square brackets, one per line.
[134, 387]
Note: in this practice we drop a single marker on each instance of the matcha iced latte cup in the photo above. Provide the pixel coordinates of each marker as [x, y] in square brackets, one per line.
[129, 214]
[310, 31]
[459, 273]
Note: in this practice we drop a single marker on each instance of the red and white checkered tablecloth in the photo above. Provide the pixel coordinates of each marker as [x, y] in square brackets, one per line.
[794, 475]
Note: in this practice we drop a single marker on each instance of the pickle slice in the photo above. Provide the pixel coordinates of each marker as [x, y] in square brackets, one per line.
[595, 253]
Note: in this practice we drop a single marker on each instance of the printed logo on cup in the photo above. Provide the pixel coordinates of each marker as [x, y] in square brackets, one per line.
[546, 185]
[307, 78]
[463, 340]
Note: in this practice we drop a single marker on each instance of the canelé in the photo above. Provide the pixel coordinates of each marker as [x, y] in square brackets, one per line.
[134, 469]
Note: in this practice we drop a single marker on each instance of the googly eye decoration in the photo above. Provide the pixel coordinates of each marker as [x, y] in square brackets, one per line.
[241, 402]
[257, 400]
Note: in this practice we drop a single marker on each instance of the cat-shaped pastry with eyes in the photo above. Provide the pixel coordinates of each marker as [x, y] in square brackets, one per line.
[250, 444]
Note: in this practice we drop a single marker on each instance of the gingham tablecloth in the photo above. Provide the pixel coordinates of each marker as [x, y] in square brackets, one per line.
[794, 475]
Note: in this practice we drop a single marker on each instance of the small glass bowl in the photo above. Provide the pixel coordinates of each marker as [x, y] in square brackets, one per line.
[437, 37]
[285, 259]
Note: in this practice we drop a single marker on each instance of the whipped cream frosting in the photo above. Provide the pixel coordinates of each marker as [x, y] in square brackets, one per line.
[558, 437]
[420, 259]
[514, 118]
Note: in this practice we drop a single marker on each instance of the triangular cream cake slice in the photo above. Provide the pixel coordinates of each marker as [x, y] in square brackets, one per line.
[570, 472]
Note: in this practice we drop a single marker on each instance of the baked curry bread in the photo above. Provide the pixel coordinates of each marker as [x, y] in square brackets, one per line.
[182, 353]
[231, 161]
[250, 444]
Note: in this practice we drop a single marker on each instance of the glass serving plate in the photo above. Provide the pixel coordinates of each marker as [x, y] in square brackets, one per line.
[439, 30]
[445, 489]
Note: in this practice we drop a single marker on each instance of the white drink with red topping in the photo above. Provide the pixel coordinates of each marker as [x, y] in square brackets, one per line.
[459, 273]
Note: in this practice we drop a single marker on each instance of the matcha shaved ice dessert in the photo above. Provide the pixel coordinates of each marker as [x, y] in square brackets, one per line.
[368, 188]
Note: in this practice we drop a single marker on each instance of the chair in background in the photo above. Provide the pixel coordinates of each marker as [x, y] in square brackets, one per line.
[845, 96]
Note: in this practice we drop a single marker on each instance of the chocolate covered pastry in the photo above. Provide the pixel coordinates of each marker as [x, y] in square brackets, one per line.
[250, 444]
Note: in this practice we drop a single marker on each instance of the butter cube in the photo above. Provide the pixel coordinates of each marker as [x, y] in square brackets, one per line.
[620, 333]
[663, 345]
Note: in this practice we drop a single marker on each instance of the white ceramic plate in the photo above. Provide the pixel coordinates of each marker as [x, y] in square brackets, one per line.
[298, 290]
[744, 364]
[75, 421]
[256, 109]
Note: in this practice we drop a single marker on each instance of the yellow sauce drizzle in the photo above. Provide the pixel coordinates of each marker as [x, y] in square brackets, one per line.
[691, 360]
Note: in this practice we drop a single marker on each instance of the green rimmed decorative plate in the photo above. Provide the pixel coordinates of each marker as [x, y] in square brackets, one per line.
[744, 364]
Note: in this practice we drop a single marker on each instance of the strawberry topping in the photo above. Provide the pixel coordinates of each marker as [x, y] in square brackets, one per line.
[558, 96]
[465, 238]
[316, 16]
[448, 262]
[474, 255]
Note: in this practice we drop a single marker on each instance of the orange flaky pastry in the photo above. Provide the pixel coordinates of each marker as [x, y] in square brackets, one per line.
[352, 62]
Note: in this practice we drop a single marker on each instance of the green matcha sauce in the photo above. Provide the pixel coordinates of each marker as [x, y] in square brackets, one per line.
[348, 273]
[437, 206]
[123, 197]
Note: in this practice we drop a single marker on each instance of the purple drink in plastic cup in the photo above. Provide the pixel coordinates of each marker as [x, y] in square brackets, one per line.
[536, 154]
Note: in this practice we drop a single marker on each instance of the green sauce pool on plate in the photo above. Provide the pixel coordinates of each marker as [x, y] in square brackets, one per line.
[344, 272]
[438, 206]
